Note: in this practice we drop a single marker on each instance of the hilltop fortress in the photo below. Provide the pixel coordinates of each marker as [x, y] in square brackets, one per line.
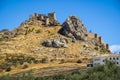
[72, 25]
[73, 30]
[41, 43]
[98, 38]
[49, 20]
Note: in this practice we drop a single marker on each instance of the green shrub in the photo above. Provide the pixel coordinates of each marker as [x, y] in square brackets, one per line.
[43, 60]
[59, 77]
[84, 46]
[32, 29]
[28, 30]
[52, 60]
[62, 61]
[8, 69]
[21, 62]
[109, 71]
[103, 50]
[37, 61]
[6, 77]
[38, 31]
[96, 48]
[1, 39]
[79, 61]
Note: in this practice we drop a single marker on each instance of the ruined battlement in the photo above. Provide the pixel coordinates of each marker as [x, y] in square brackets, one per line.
[50, 19]
[99, 38]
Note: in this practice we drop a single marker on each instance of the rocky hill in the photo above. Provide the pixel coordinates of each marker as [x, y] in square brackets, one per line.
[41, 39]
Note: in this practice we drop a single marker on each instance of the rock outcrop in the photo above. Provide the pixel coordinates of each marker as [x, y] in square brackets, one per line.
[56, 43]
[6, 35]
[73, 28]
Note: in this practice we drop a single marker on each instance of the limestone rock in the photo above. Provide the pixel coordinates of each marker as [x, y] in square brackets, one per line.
[57, 43]
[47, 43]
[73, 27]
[6, 35]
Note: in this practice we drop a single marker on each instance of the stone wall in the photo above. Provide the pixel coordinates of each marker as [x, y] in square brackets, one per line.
[91, 35]
[49, 20]
[98, 38]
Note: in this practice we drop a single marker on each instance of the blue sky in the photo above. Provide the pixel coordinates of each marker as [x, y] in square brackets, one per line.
[99, 16]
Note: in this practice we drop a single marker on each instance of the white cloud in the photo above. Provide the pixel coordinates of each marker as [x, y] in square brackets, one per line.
[115, 48]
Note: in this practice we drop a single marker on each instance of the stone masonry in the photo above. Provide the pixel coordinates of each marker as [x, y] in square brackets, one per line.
[49, 20]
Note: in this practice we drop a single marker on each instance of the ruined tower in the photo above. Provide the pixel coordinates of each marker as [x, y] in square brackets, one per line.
[107, 46]
[52, 18]
[100, 39]
[96, 36]
[47, 21]
[52, 15]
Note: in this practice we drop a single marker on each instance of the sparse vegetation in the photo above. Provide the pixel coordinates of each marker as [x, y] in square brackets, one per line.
[1, 39]
[18, 59]
[38, 31]
[81, 53]
[52, 60]
[14, 41]
[51, 33]
[84, 46]
[103, 50]
[8, 69]
[25, 66]
[62, 61]
[28, 30]
[47, 31]
[109, 71]
[43, 60]
[79, 61]
[96, 48]
[32, 29]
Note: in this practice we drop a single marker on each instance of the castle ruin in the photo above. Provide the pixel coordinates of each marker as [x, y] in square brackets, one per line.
[107, 46]
[49, 20]
[99, 39]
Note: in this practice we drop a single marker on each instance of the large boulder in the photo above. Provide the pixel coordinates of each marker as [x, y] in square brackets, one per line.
[73, 28]
[56, 43]
[47, 43]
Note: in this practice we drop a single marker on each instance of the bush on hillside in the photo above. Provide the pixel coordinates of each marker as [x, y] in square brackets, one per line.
[79, 61]
[38, 31]
[109, 71]
[8, 69]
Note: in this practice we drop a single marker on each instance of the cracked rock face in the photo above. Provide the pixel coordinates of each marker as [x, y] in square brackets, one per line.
[74, 28]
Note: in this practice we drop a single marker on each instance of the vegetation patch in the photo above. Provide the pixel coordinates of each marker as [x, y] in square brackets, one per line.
[109, 71]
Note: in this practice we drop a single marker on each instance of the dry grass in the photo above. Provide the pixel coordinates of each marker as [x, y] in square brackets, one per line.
[30, 45]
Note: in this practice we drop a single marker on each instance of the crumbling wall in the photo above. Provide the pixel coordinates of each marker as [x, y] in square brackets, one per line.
[52, 19]
[49, 20]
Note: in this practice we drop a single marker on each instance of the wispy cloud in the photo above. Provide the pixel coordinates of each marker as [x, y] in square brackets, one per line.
[115, 48]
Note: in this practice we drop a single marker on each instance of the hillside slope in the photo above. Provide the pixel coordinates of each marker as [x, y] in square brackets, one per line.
[41, 39]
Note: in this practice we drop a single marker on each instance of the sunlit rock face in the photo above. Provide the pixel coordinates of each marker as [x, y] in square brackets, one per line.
[73, 28]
